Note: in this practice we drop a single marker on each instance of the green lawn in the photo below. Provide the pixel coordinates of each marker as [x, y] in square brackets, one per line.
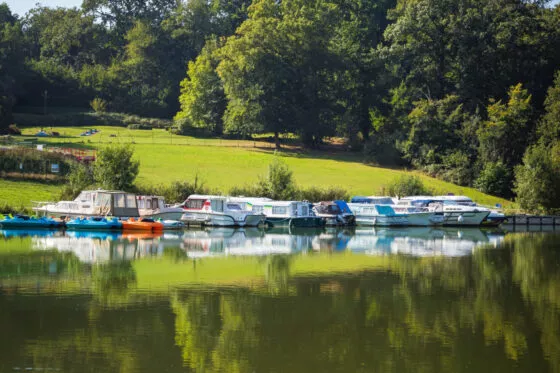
[226, 163]
[21, 193]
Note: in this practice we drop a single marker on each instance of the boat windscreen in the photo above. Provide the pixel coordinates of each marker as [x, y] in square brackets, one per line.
[330, 209]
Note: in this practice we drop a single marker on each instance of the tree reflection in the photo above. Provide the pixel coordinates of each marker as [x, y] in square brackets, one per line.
[421, 314]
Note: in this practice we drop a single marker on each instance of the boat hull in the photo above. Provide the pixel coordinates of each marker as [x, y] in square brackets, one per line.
[296, 222]
[221, 220]
[420, 219]
[170, 215]
[464, 218]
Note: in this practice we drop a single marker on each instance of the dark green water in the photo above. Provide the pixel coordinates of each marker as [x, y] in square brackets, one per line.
[411, 300]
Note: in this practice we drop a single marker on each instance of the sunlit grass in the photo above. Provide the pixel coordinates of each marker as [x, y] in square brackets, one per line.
[222, 164]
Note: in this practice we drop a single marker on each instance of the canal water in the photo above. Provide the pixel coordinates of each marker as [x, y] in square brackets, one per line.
[222, 300]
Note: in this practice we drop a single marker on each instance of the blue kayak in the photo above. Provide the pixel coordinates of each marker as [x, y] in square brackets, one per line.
[94, 223]
[24, 221]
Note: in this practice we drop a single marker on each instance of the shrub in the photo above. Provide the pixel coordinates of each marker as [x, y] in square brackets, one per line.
[25, 160]
[496, 179]
[178, 191]
[139, 126]
[99, 105]
[6, 209]
[457, 168]
[79, 178]
[114, 167]
[279, 183]
[315, 194]
[86, 119]
[13, 130]
[406, 185]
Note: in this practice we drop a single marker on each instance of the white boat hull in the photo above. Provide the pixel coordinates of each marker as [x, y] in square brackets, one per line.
[170, 215]
[464, 218]
[420, 219]
[214, 219]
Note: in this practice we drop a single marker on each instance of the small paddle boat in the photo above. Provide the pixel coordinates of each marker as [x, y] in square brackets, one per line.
[95, 223]
[24, 221]
[172, 224]
[142, 224]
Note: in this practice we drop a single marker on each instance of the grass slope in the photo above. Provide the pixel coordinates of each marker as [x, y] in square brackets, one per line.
[21, 193]
[226, 163]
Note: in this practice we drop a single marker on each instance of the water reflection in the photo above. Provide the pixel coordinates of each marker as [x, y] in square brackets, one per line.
[92, 247]
[458, 301]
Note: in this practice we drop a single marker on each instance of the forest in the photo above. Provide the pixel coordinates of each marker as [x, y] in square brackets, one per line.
[465, 90]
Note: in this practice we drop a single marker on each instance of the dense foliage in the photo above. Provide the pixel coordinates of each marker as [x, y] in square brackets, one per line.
[460, 89]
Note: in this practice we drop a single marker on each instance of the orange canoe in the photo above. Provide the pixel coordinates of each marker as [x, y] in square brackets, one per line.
[142, 225]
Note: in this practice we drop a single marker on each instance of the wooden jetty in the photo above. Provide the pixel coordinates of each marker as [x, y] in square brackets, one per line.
[533, 220]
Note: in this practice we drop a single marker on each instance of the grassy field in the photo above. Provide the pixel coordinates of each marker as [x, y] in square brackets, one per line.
[222, 164]
[21, 193]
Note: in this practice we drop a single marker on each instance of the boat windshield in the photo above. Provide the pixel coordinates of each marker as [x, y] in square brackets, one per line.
[234, 207]
[330, 209]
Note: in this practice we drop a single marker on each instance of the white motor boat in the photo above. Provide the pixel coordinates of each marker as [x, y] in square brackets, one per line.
[381, 211]
[154, 207]
[218, 211]
[295, 214]
[92, 203]
[455, 214]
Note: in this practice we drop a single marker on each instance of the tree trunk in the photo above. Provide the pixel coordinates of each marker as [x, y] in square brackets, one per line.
[277, 140]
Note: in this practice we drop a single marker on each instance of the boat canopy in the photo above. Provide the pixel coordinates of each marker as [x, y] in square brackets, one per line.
[373, 200]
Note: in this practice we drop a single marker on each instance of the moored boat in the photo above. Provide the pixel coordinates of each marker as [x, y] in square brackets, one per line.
[92, 203]
[294, 214]
[24, 221]
[94, 223]
[455, 214]
[142, 224]
[382, 211]
[335, 213]
[172, 224]
[218, 211]
[154, 207]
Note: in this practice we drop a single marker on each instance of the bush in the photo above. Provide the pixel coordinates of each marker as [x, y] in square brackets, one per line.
[114, 167]
[86, 119]
[13, 130]
[315, 194]
[24, 160]
[79, 178]
[99, 105]
[178, 191]
[457, 168]
[6, 209]
[496, 179]
[138, 126]
[406, 185]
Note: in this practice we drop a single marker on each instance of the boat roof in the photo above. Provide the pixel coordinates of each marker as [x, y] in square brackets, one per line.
[436, 198]
[104, 191]
[148, 196]
[205, 196]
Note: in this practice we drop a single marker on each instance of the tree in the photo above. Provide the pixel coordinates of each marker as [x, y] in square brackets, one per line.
[537, 179]
[11, 63]
[495, 179]
[114, 167]
[549, 126]
[506, 133]
[202, 98]
[434, 130]
[276, 71]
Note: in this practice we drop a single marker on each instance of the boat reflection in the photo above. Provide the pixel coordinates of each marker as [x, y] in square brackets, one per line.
[108, 246]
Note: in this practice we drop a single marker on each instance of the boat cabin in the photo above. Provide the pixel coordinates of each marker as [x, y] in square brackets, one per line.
[211, 203]
[150, 202]
[282, 209]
